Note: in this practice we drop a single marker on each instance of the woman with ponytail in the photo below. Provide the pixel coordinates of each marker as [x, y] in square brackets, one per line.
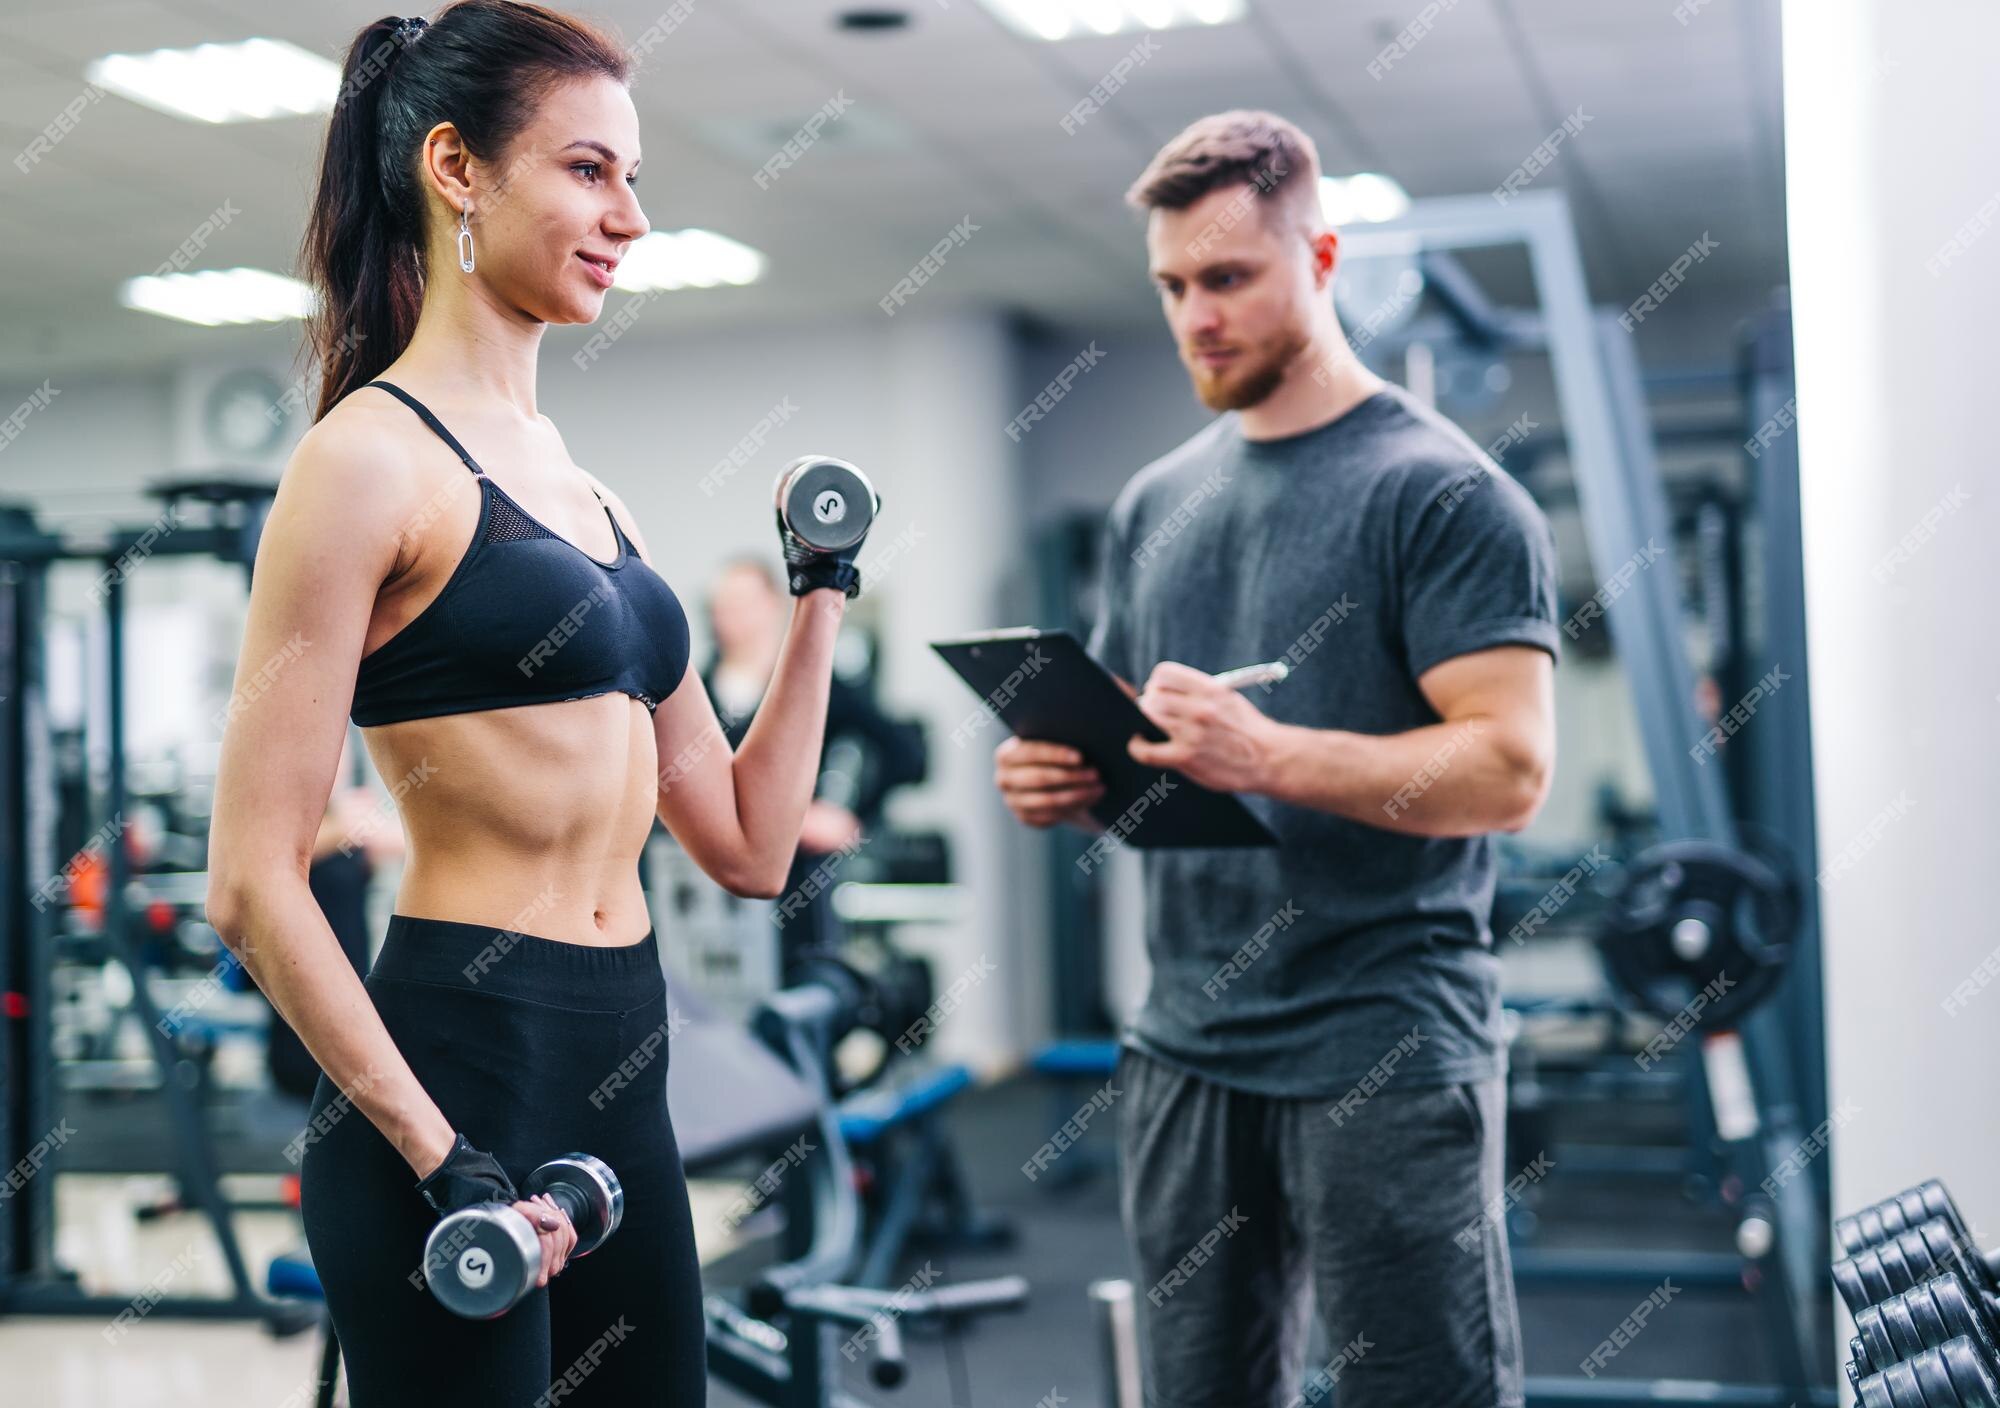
[436, 566]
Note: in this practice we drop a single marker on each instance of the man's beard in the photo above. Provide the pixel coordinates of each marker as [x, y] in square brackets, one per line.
[1222, 391]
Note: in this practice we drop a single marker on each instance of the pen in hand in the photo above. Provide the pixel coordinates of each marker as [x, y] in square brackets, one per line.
[1246, 676]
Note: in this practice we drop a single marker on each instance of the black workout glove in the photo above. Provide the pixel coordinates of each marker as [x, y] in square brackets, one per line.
[808, 568]
[466, 1178]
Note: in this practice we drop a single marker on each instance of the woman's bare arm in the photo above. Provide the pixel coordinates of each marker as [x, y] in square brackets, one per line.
[738, 813]
[327, 547]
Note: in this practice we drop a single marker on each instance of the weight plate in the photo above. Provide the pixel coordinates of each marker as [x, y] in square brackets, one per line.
[1869, 1219]
[1873, 1349]
[1935, 1381]
[1896, 1268]
[1735, 903]
[1873, 1392]
[1971, 1374]
[1961, 1310]
[1904, 1391]
[1902, 1332]
[1874, 1281]
[1853, 1291]
[1925, 1317]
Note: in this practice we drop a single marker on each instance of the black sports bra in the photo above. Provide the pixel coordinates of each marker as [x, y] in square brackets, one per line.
[527, 618]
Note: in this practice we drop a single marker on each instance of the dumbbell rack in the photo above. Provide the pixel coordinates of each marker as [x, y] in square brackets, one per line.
[1925, 1301]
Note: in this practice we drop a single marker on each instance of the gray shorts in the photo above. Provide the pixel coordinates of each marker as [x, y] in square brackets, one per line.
[1237, 1205]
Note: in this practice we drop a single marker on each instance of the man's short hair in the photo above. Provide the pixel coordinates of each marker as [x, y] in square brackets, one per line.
[1244, 147]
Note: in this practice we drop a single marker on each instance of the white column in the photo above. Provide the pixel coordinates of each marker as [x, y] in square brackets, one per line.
[1892, 117]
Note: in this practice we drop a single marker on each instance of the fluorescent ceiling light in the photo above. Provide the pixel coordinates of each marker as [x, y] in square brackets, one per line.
[1362, 198]
[1083, 19]
[694, 258]
[214, 297]
[246, 82]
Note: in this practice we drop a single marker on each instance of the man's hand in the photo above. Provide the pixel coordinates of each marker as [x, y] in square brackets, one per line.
[1045, 784]
[1215, 736]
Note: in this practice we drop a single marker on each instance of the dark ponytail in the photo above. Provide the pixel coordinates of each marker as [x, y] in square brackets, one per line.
[482, 65]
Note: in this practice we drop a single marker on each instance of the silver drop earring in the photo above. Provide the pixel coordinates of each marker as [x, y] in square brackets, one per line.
[464, 239]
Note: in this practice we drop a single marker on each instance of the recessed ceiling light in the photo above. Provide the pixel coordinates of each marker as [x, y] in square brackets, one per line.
[251, 81]
[1362, 198]
[215, 297]
[693, 258]
[1083, 19]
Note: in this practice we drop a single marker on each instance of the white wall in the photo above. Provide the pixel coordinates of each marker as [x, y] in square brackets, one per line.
[1891, 114]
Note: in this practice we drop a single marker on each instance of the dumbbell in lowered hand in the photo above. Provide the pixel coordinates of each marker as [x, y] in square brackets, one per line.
[481, 1260]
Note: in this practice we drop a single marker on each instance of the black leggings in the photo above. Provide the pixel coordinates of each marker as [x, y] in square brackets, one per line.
[532, 1048]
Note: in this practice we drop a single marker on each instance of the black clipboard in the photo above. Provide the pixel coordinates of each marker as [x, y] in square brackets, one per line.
[1044, 685]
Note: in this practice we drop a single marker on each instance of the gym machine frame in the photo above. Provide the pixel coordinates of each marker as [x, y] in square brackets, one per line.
[31, 1283]
[1623, 505]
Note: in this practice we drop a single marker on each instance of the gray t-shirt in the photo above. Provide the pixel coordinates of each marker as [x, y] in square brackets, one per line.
[1364, 551]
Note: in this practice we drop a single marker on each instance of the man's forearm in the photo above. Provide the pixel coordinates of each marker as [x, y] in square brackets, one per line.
[1464, 777]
